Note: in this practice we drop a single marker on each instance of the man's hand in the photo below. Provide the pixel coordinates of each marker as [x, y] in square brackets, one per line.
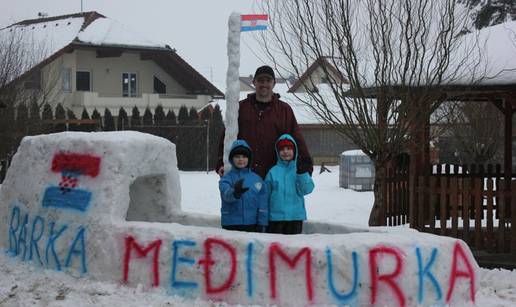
[239, 189]
[220, 171]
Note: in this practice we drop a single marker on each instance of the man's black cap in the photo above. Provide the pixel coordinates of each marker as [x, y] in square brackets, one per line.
[264, 70]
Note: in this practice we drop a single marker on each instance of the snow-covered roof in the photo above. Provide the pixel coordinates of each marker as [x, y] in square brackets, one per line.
[353, 152]
[485, 57]
[106, 31]
[499, 54]
[45, 37]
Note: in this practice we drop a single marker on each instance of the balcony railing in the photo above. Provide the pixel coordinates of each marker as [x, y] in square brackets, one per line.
[168, 101]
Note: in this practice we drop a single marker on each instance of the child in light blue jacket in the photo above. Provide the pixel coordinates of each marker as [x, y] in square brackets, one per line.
[245, 198]
[288, 182]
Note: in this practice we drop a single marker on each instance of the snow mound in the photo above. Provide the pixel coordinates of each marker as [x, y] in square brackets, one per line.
[106, 206]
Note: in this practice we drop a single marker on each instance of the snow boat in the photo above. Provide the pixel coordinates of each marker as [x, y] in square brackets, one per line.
[106, 206]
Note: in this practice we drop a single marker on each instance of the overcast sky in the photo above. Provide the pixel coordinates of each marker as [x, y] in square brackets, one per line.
[197, 29]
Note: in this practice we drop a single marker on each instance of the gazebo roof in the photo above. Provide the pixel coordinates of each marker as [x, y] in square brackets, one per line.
[490, 70]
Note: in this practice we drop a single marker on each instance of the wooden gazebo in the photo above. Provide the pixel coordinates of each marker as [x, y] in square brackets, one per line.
[472, 202]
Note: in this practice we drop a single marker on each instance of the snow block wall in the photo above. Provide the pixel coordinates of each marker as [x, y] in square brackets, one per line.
[106, 205]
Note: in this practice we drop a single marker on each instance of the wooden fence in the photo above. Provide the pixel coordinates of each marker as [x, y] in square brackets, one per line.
[469, 202]
[466, 202]
[396, 194]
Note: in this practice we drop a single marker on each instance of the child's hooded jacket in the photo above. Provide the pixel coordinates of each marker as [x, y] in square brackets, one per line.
[287, 188]
[252, 207]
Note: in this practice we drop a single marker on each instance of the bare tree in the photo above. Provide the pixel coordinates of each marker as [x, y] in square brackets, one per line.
[399, 52]
[473, 131]
[22, 79]
[24, 83]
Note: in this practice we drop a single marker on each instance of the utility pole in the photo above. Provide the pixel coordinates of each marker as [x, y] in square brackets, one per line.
[81, 6]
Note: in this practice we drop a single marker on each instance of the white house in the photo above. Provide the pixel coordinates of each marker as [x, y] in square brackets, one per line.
[99, 63]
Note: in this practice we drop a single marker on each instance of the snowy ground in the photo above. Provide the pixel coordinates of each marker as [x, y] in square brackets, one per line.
[24, 285]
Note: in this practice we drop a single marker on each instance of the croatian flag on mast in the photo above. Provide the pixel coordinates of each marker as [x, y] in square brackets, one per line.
[254, 22]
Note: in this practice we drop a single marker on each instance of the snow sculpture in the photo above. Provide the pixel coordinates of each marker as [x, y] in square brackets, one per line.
[107, 205]
[232, 85]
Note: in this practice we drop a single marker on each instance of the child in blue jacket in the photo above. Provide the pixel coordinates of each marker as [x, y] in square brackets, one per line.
[245, 199]
[288, 182]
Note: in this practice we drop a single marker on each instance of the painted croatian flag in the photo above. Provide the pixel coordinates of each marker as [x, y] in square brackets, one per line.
[254, 22]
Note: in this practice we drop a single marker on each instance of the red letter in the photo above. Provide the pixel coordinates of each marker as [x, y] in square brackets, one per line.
[458, 251]
[208, 262]
[387, 278]
[140, 253]
[276, 249]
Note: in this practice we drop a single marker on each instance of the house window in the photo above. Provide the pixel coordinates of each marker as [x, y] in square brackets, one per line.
[83, 80]
[129, 84]
[66, 74]
[159, 87]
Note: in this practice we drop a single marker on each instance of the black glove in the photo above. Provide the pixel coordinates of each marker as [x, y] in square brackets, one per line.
[239, 188]
[303, 165]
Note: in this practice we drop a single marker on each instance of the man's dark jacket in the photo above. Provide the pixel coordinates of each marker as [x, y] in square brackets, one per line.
[261, 128]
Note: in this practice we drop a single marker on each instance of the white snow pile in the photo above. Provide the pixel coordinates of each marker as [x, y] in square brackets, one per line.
[106, 207]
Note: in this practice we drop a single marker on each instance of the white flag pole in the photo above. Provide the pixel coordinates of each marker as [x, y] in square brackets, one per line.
[232, 85]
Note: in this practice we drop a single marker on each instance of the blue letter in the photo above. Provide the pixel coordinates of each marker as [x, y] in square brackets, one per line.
[33, 239]
[346, 297]
[81, 251]
[22, 237]
[13, 242]
[426, 272]
[50, 244]
[176, 260]
[249, 268]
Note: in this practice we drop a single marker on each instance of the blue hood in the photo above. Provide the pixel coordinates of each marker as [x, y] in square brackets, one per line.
[240, 143]
[290, 138]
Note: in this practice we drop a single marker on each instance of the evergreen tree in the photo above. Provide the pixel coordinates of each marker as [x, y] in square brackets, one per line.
[147, 117]
[182, 116]
[216, 129]
[85, 127]
[183, 139]
[109, 121]
[46, 117]
[71, 115]
[60, 114]
[135, 118]
[159, 116]
[95, 115]
[8, 141]
[34, 118]
[193, 116]
[34, 112]
[123, 120]
[47, 112]
[171, 118]
[22, 118]
[84, 114]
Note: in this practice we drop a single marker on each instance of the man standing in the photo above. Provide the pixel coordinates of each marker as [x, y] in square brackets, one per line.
[262, 119]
